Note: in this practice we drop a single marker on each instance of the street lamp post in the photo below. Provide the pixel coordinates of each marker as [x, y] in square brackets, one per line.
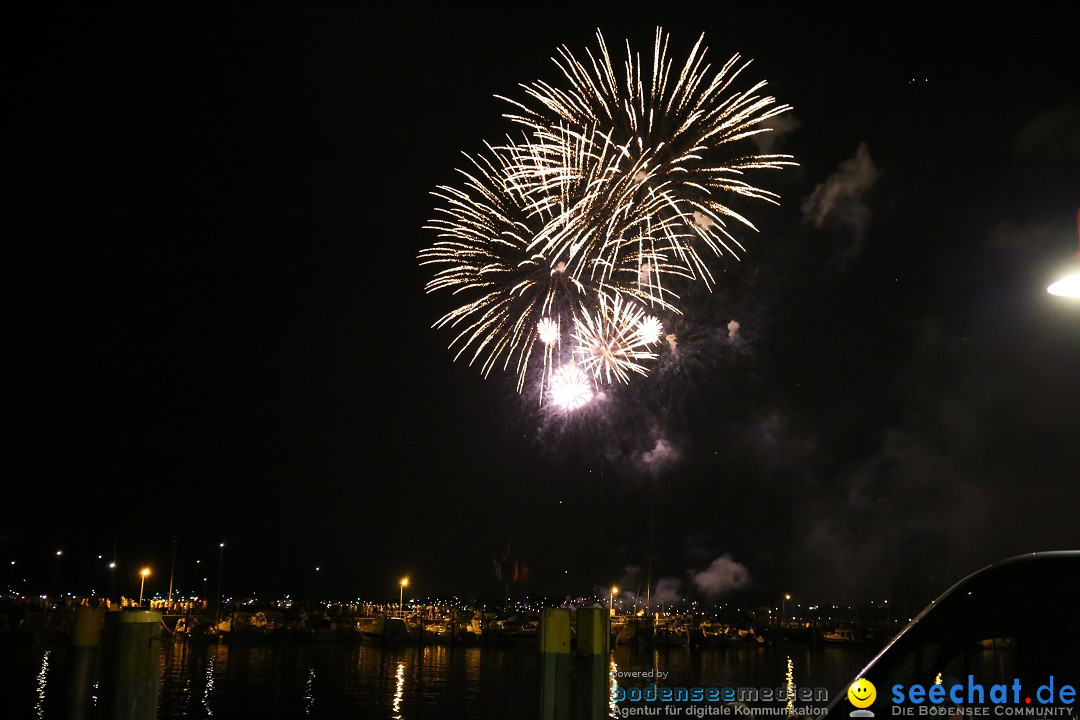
[401, 594]
[783, 612]
[142, 582]
[56, 574]
[611, 600]
[112, 580]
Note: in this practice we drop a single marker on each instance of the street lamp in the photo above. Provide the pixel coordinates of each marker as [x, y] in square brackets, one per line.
[142, 582]
[112, 580]
[783, 612]
[1069, 286]
[56, 575]
[401, 594]
[611, 600]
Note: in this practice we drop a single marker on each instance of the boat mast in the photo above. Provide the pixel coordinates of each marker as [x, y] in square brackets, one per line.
[172, 569]
[648, 576]
[507, 569]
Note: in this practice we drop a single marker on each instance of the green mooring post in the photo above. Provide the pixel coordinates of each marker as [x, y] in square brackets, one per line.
[83, 644]
[555, 664]
[130, 665]
[592, 645]
[574, 680]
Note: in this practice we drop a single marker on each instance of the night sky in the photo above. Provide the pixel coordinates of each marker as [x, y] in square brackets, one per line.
[215, 326]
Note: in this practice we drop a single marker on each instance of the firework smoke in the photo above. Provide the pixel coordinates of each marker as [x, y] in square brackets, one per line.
[841, 202]
[722, 575]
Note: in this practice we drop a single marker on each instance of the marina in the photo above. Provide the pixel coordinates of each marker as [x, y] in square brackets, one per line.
[441, 623]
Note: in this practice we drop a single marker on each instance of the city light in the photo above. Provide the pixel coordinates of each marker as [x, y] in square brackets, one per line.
[144, 573]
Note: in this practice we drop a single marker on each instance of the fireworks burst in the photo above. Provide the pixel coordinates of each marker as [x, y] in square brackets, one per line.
[495, 255]
[548, 330]
[557, 244]
[610, 344]
[486, 258]
[655, 143]
[650, 329]
[570, 387]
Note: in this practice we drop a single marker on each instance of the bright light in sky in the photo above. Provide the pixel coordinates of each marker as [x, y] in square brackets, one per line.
[1068, 286]
[570, 387]
[548, 330]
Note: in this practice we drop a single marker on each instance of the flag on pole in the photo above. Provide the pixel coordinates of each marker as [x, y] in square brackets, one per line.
[513, 570]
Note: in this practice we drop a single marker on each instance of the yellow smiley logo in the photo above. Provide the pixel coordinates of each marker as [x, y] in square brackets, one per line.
[862, 693]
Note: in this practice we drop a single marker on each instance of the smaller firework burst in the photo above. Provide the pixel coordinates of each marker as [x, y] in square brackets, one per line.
[570, 387]
[650, 329]
[548, 331]
[609, 344]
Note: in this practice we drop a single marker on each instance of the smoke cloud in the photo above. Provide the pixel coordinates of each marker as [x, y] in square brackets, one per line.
[1051, 138]
[841, 202]
[662, 456]
[667, 591]
[723, 575]
[779, 126]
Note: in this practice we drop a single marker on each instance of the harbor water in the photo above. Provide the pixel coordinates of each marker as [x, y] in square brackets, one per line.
[402, 681]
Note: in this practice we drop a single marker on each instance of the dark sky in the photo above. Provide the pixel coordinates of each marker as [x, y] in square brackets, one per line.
[216, 330]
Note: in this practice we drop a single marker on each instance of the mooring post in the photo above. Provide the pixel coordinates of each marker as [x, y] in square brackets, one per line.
[130, 665]
[574, 679]
[555, 664]
[84, 642]
[592, 648]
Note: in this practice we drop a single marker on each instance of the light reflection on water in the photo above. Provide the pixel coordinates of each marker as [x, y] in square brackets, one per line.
[399, 691]
[613, 706]
[272, 682]
[42, 680]
[332, 680]
[789, 676]
[309, 696]
[209, 688]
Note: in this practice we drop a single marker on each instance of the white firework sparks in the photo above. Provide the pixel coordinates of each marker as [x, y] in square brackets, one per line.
[485, 258]
[609, 345]
[548, 330]
[494, 254]
[656, 156]
[650, 329]
[570, 387]
[554, 245]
